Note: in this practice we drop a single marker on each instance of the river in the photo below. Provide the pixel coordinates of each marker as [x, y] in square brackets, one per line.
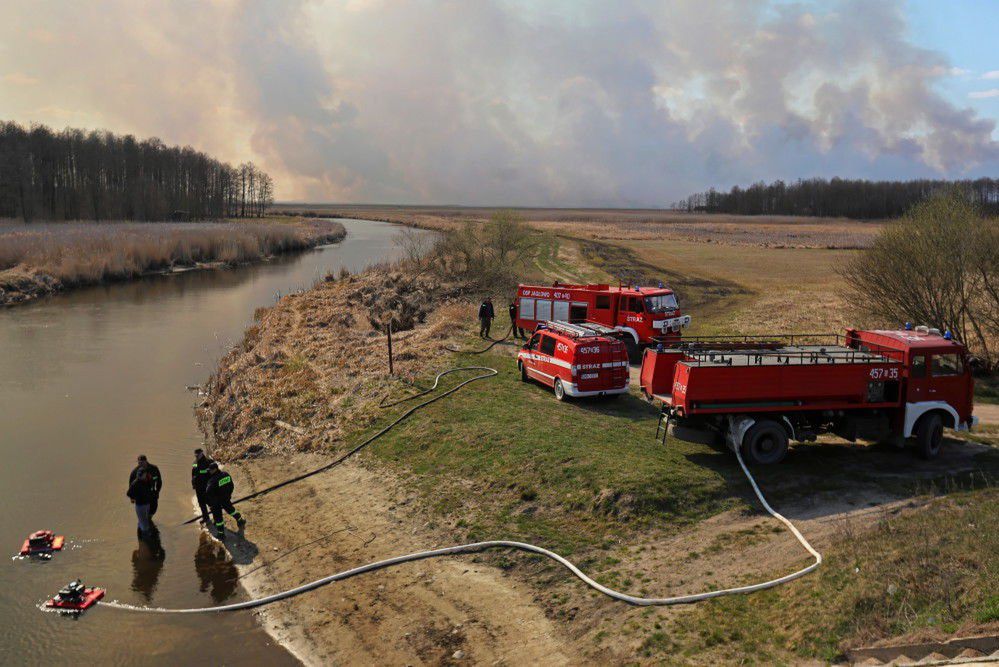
[90, 379]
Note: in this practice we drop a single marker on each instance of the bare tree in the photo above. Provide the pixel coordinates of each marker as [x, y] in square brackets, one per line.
[939, 265]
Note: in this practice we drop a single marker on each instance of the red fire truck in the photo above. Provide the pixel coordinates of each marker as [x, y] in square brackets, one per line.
[575, 360]
[761, 392]
[644, 315]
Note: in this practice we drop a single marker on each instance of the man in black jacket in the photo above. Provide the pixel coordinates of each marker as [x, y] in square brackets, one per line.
[140, 492]
[155, 484]
[517, 333]
[199, 479]
[218, 493]
[486, 315]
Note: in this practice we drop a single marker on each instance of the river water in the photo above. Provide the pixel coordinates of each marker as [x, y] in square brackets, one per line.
[88, 380]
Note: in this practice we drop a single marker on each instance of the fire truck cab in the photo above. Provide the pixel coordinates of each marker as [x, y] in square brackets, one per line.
[575, 360]
[646, 315]
[759, 392]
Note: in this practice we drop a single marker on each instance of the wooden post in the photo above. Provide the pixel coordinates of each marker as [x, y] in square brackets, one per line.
[390, 346]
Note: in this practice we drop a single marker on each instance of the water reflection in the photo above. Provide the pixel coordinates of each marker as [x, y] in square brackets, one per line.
[216, 571]
[147, 562]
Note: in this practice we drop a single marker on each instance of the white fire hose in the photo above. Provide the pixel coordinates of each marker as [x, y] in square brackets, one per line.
[509, 544]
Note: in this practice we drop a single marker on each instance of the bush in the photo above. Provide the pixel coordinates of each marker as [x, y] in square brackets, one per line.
[485, 256]
[939, 265]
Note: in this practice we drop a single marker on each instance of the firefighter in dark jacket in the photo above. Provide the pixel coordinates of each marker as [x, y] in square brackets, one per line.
[218, 493]
[517, 333]
[199, 480]
[486, 315]
[140, 493]
[155, 481]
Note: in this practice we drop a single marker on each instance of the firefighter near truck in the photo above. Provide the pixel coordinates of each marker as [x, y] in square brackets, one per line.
[761, 392]
[642, 315]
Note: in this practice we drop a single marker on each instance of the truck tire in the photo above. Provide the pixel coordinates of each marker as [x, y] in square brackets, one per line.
[559, 390]
[523, 371]
[929, 434]
[765, 443]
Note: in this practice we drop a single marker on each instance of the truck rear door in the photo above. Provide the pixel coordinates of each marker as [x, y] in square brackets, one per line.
[601, 365]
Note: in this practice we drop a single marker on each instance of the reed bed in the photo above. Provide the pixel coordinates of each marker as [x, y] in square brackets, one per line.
[41, 258]
[83, 253]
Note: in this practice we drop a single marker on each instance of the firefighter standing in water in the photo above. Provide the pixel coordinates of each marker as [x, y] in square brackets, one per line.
[140, 493]
[155, 481]
[486, 315]
[199, 480]
[218, 493]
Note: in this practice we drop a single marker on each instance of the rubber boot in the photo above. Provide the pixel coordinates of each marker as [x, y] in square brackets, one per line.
[241, 522]
[220, 531]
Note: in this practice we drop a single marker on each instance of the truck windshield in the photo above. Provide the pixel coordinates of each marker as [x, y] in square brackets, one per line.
[662, 303]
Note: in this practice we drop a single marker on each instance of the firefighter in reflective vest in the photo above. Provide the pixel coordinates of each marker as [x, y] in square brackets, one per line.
[199, 478]
[218, 493]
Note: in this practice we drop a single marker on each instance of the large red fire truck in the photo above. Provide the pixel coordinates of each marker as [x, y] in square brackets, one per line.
[761, 392]
[643, 315]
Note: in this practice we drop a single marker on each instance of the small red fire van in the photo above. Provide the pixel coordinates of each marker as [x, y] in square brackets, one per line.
[575, 360]
[646, 315]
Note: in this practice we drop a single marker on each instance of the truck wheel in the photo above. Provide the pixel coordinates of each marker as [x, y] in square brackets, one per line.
[523, 371]
[765, 443]
[929, 434]
[559, 390]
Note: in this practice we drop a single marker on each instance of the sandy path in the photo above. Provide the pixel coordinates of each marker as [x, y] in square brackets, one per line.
[988, 413]
[430, 612]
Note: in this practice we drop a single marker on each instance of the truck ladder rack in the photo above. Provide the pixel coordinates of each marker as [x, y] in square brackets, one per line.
[579, 329]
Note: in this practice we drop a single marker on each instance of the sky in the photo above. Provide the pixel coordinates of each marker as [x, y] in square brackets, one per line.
[632, 103]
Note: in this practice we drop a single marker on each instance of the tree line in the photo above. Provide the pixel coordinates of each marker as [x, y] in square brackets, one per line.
[97, 175]
[838, 197]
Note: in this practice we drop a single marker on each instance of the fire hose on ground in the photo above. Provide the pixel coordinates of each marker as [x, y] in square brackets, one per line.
[490, 544]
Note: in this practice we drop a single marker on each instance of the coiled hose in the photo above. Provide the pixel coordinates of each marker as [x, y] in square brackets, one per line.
[492, 544]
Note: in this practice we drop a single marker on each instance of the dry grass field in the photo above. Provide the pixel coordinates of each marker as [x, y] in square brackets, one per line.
[734, 274]
[631, 224]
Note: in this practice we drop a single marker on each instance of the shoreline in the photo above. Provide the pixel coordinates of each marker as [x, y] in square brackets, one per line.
[20, 286]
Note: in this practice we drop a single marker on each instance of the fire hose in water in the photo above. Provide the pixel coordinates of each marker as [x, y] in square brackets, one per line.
[491, 544]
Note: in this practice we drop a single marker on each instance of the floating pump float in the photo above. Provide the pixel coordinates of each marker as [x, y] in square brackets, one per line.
[75, 598]
[42, 543]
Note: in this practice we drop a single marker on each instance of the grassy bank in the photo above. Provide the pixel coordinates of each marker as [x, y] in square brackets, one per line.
[910, 547]
[41, 258]
[925, 575]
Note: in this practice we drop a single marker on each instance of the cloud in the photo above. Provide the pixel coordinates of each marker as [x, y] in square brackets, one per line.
[19, 79]
[994, 74]
[573, 102]
[984, 94]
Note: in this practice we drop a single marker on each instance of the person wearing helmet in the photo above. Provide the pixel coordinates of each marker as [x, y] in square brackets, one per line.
[199, 479]
[218, 493]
